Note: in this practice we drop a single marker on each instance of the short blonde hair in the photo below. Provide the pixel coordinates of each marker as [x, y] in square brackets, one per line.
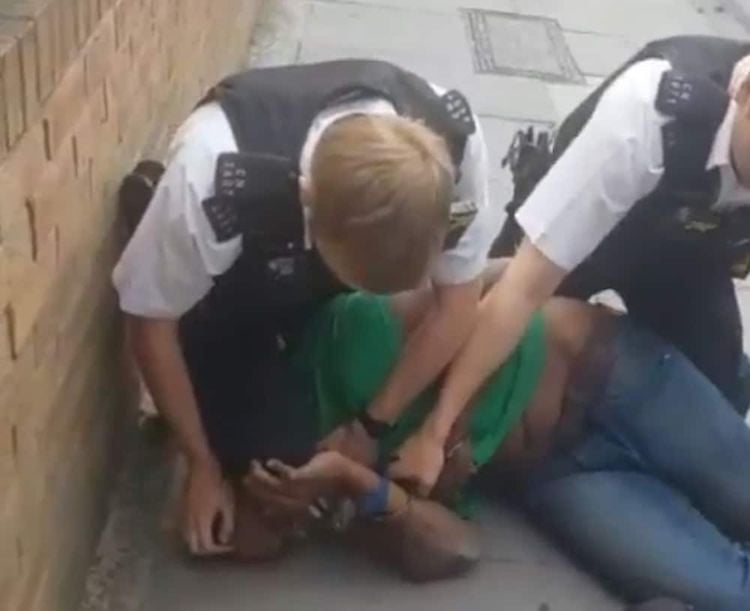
[381, 192]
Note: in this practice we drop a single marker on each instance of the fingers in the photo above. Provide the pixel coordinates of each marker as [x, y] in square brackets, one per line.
[227, 519]
[272, 491]
[208, 544]
[281, 470]
[191, 538]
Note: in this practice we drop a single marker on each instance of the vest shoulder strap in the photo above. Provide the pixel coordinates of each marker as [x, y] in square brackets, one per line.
[461, 126]
[697, 106]
[256, 196]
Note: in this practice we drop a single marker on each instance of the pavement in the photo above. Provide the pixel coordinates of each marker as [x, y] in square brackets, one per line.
[520, 62]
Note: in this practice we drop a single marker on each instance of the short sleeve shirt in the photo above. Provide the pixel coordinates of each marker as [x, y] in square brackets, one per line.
[173, 256]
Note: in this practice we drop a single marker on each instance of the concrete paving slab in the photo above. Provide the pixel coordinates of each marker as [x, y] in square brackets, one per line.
[637, 20]
[599, 54]
[565, 98]
[521, 572]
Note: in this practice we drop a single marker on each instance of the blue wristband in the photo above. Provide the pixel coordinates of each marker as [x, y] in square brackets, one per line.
[374, 503]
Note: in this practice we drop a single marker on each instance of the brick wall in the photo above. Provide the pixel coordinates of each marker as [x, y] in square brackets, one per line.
[86, 86]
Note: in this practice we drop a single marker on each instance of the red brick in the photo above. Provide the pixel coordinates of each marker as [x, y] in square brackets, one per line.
[24, 167]
[99, 52]
[46, 36]
[28, 299]
[122, 24]
[69, 40]
[105, 6]
[24, 31]
[19, 237]
[11, 90]
[6, 352]
[86, 19]
[64, 106]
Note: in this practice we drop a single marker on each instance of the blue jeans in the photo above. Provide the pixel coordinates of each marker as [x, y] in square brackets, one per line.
[653, 492]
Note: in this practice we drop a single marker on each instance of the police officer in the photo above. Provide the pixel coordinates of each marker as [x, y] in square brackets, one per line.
[283, 185]
[648, 194]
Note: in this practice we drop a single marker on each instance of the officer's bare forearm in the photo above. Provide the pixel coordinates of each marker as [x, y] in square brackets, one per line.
[525, 285]
[429, 348]
[157, 351]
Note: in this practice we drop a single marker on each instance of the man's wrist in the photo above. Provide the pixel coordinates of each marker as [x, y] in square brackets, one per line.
[359, 479]
[436, 429]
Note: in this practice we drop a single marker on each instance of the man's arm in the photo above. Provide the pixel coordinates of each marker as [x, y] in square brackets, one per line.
[612, 163]
[529, 280]
[423, 539]
[446, 325]
[164, 271]
[159, 356]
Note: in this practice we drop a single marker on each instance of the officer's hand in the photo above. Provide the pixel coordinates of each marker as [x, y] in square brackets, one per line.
[352, 440]
[418, 463]
[209, 510]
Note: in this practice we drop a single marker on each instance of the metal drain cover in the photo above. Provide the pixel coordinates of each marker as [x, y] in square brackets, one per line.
[520, 45]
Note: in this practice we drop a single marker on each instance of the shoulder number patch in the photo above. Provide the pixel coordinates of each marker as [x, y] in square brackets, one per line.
[221, 213]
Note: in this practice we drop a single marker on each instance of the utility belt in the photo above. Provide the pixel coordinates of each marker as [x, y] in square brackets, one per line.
[729, 231]
[684, 228]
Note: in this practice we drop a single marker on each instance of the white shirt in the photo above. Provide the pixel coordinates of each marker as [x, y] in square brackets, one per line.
[616, 160]
[170, 262]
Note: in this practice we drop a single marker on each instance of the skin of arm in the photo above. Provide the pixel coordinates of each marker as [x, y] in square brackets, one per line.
[529, 280]
[447, 323]
[524, 285]
[421, 538]
[157, 351]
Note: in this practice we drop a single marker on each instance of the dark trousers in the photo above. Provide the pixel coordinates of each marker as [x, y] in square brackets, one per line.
[254, 402]
[684, 294]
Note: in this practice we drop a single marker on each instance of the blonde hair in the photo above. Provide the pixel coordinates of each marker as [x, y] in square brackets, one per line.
[381, 189]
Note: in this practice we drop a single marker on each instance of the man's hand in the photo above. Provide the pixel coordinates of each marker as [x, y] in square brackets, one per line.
[326, 475]
[208, 498]
[352, 441]
[418, 463]
[291, 496]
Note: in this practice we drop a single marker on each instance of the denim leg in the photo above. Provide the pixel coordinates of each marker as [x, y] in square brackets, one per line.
[684, 433]
[643, 537]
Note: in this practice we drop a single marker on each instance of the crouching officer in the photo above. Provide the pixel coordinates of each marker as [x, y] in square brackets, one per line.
[285, 186]
[645, 192]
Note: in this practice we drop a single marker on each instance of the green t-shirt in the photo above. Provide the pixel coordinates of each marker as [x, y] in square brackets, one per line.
[352, 345]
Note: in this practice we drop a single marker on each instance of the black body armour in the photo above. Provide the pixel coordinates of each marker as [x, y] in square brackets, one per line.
[277, 279]
[675, 223]
[254, 401]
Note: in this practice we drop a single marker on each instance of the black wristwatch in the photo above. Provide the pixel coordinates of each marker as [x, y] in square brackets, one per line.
[374, 428]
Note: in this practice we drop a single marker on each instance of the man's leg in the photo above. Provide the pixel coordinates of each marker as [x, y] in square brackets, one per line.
[699, 315]
[681, 428]
[644, 538]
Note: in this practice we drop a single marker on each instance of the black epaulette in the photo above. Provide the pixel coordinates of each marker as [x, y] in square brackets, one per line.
[697, 106]
[460, 112]
[230, 184]
[255, 195]
[694, 100]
